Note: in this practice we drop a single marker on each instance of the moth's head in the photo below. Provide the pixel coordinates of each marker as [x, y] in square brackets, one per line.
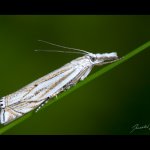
[98, 59]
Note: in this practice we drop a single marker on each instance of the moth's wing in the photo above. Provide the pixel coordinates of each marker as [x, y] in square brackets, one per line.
[33, 95]
[87, 71]
[66, 81]
[25, 91]
[44, 90]
[13, 112]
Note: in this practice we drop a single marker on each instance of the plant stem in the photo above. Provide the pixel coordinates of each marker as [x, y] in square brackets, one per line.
[87, 80]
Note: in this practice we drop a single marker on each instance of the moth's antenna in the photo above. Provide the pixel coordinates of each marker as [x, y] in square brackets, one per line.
[64, 46]
[39, 50]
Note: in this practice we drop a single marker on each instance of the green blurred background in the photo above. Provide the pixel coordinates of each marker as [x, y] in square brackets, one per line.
[110, 104]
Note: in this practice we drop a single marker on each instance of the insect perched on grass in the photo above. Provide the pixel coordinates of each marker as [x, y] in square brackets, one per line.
[37, 93]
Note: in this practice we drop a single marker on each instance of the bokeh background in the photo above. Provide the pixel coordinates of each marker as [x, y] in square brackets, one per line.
[110, 104]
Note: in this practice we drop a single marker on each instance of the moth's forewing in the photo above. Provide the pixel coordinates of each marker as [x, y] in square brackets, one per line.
[33, 88]
[34, 94]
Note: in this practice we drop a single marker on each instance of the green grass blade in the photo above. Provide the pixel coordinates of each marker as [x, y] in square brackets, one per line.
[87, 80]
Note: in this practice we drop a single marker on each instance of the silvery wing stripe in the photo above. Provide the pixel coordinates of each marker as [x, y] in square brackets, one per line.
[19, 95]
[37, 92]
[88, 70]
[64, 82]
[79, 76]
[26, 106]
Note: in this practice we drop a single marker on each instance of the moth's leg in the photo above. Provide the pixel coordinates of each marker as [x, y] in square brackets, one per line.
[66, 87]
[42, 104]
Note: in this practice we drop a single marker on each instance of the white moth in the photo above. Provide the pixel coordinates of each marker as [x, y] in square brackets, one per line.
[37, 93]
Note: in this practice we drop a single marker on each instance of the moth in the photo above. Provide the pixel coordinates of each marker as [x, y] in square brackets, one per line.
[36, 94]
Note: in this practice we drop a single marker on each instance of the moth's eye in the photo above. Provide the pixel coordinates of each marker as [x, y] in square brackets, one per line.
[93, 58]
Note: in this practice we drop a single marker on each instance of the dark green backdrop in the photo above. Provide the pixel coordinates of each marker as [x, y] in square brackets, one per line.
[111, 104]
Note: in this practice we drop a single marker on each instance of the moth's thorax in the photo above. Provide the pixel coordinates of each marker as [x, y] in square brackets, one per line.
[83, 61]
